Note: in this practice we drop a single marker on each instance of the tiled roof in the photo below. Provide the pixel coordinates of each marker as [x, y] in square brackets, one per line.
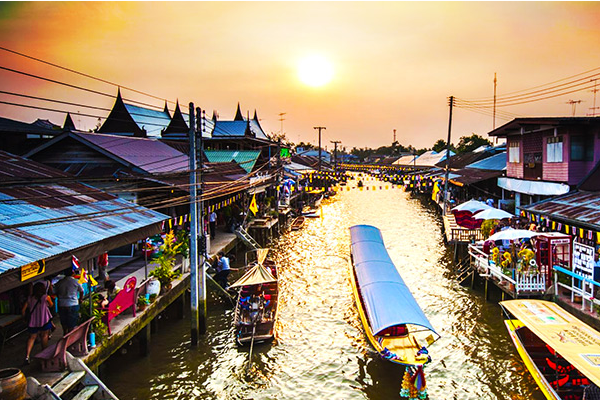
[237, 129]
[153, 121]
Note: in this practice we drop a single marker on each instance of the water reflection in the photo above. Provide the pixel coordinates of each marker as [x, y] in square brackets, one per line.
[320, 350]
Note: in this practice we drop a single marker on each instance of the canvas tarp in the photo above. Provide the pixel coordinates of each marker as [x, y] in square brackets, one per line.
[575, 341]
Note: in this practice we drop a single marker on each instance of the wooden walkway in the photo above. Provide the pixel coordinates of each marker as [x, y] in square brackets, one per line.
[458, 234]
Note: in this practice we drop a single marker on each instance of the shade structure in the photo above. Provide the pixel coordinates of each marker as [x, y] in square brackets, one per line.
[387, 300]
[512, 234]
[255, 276]
[471, 205]
[261, 255]
[493, 213]
[575, 341]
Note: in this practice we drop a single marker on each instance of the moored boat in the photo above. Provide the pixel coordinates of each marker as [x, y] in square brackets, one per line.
[394, 323]
[561, 352]
[256, 306]
[298, 223]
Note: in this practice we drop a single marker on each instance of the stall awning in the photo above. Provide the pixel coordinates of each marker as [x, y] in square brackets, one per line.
[574, 340]
[533, 187]
[387, 299]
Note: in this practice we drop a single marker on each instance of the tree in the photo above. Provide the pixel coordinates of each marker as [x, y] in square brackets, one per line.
[440, 145]
[470, 143]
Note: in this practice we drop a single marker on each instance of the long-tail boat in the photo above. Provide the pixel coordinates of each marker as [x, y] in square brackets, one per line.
[256, 306]
[561, 352]
[394, 323]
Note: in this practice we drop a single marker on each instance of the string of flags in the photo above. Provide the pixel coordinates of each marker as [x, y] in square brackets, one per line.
[183, 219]
[560, 227]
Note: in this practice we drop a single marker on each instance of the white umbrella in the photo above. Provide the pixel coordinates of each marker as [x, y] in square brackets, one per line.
[512, 234]
[471, 205]
[492, 213]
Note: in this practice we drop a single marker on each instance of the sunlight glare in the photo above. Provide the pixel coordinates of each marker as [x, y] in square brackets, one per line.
[315, 71]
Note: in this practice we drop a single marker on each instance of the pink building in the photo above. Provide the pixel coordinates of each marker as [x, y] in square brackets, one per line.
[547, 156]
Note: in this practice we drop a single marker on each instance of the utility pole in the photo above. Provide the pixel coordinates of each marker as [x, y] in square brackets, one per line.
[281, 119]
[448, 154]
[200, 118]
[573, 104]
[335, 143]
[319, 128]
[594, 90]
[193, 231]
[494, 122]
[394, 136]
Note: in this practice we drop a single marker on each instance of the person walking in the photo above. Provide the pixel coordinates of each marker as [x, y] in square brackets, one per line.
[212, 219]
[67, 292]
[40, 317]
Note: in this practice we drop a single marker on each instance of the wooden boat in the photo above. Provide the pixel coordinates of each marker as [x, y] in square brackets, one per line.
[561, 352]
[394, 323]
[256, 306]
[298, 223]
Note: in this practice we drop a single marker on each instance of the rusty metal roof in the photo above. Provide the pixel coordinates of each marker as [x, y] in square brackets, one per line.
[580, 208]
[50, 214]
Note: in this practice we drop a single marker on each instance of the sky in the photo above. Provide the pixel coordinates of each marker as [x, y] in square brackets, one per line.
[394, 64]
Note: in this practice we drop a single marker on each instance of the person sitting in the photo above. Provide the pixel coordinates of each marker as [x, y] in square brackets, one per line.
[111, 292]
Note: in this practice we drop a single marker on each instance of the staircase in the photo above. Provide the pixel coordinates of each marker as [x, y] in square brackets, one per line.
[464, 270]
[247, 239]
[77, 383]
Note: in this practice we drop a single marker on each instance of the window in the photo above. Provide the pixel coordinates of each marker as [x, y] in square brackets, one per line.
[554, 149]
[514, 152]
[582, 148]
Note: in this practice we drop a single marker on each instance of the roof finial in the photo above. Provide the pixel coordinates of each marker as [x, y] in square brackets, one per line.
[238, 114]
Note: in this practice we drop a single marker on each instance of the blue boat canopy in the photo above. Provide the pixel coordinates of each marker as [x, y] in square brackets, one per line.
[387, 300]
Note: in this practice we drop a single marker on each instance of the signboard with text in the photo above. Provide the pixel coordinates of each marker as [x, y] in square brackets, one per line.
[32, 270]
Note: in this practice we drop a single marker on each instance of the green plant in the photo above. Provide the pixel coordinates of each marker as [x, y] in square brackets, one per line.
[97, 326]
[142, 301]
[166, 261]
[487, 226]
[152, 297]
[183, 241]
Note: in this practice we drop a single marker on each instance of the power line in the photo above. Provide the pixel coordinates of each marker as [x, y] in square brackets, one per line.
[83, 74]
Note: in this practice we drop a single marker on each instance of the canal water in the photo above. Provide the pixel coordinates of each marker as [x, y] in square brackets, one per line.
[320, 351]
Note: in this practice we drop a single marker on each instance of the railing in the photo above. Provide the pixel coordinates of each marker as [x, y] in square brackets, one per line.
[579, 291]
[524, 282]
[466, 235]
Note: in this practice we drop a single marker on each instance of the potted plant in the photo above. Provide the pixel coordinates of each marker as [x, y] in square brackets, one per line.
[166, 261]
[152, 298]
[98, 326]
[142, 302]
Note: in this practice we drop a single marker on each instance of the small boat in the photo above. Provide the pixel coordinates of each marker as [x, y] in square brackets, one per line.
[311, 213]
[561, 352]
[298, 223]
[393, 321]
[256, 306]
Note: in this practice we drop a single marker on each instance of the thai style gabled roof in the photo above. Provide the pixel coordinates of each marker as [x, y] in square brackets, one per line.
[68, 125]
[131, 120]
[245, 158]
[178, 125]
[238, 114]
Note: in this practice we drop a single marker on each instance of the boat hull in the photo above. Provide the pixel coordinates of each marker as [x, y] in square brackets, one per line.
[512, 326]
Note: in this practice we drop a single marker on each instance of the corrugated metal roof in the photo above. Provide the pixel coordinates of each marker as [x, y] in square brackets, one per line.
[150, 155]
[245, 158]
[28, 214]
[497, 162]
[468, 176]
[237, 129]
[153, 121]
[575, 207]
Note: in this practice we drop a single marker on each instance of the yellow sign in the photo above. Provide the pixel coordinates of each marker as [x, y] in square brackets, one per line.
[32, 270]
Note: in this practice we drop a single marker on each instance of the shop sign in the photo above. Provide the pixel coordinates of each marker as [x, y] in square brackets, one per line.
[583, 260]
[32, 270]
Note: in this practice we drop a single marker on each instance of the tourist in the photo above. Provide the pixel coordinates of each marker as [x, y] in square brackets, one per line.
[212, 219]
[40, 317]
[68, 291]
[223, 270]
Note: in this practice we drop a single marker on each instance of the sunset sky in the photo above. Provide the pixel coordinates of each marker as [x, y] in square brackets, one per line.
[393, 64]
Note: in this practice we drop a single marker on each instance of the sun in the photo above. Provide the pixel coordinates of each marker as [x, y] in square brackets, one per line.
[315, 71]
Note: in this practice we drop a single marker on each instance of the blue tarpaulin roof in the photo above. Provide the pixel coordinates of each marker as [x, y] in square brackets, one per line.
[386, 298]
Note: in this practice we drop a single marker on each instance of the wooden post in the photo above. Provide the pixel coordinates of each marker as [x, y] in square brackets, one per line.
[144, 338]
[486, 293]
